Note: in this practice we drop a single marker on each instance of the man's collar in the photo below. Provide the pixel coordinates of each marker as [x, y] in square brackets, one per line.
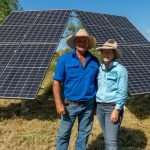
[74, 54]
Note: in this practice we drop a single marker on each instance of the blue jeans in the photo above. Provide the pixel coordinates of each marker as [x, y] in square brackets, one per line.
[85, 114]
[110, 130]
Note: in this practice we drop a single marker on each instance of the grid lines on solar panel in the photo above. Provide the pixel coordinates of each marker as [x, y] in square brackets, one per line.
[129, 57]
[32, 55]
[6, 52]
[53, 17]
[104, 27]
[24, 73]
[1, 69]
[48, 27]
[21, 18]
[44, 33]
[131, 36]
[12, 34]
[139, 79]
[143, 53]
[20, 82]
[118, 21]
[92, 18]
[102, 34]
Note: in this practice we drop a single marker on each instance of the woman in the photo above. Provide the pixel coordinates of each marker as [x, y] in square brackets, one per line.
[111, 94]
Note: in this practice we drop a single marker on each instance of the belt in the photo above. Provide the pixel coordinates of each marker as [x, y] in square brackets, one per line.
[106, 104]
[74, 102]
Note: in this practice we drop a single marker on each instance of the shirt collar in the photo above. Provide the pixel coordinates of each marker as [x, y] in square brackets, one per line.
[111, 66]
[74, 55]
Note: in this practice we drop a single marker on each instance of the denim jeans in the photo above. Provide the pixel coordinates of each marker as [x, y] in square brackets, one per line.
[85, 114]
[110, 130]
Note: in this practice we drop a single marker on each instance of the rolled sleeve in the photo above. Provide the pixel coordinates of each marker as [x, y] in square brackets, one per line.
[122, 89]
[60, 69]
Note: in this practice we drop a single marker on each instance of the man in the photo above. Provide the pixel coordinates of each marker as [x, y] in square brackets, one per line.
[77, 71]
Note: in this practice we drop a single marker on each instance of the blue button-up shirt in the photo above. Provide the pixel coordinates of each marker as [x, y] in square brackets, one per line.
[79, 83]
[112, 84]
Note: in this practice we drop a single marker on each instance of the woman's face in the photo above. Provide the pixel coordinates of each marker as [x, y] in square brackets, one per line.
[107, 56]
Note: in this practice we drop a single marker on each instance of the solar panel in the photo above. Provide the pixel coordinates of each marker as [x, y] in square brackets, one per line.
[104, 26]
[24, 73]
[6, 52]
[139, 79]
[118, 21]
[21, 18]
[45, 33]
[32, 55]
[20, 82]
[103, 33]
[143, 53]
[53, 17]
[11, 34]
[129, 57]
[32, 39]
[132, 37]
[29, 38]
[135, 47]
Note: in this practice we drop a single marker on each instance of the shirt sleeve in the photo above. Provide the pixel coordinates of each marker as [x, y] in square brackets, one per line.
[59, 73]
[122, 92]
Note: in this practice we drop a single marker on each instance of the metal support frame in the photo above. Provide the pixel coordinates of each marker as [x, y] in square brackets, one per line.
[23, 106]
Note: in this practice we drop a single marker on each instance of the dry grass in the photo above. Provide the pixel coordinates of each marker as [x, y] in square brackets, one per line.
[37, 129]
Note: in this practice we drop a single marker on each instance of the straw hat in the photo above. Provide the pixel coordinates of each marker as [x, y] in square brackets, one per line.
[111, 44]
[81, 33]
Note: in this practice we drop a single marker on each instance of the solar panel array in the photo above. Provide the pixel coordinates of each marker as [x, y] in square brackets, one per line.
[28, 41]
[135, 47]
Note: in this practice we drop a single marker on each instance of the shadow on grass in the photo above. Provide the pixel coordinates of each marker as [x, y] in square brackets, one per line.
[139, 105]
[42, 108]
[130, 139]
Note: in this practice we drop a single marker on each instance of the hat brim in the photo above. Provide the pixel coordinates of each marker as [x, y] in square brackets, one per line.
[118, 51]
[71, 41]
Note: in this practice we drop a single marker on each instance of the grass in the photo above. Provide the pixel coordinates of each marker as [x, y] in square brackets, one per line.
[37, 129]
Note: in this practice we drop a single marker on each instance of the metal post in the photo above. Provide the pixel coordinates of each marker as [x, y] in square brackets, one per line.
[23, 106]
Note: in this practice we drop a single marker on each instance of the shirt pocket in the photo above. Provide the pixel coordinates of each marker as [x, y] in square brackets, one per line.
[73, 71]
[112, 81]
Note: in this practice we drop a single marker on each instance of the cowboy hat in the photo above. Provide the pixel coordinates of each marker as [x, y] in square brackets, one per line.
[81, 33]
[111, 44]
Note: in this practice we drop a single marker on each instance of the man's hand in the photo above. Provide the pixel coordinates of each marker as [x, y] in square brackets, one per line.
[114, 116]
[60, 108]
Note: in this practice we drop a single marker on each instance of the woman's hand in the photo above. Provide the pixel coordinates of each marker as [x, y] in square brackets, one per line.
[114, 116]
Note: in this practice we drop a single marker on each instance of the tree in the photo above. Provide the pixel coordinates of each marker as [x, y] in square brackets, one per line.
[6, 6]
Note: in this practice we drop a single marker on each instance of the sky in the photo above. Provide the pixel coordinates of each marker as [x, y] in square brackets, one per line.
[137, 11]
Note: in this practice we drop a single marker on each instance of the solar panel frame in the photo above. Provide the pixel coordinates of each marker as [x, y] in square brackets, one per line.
[122, 28]
[15, 78]
[134, 45]
[14, 75]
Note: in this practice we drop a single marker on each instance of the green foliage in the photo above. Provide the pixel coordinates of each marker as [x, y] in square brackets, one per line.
[96, 54]
[6, 6]
[73, 28]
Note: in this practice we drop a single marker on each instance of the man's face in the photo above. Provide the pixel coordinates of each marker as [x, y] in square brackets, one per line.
[81, 44]
[107, 55]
